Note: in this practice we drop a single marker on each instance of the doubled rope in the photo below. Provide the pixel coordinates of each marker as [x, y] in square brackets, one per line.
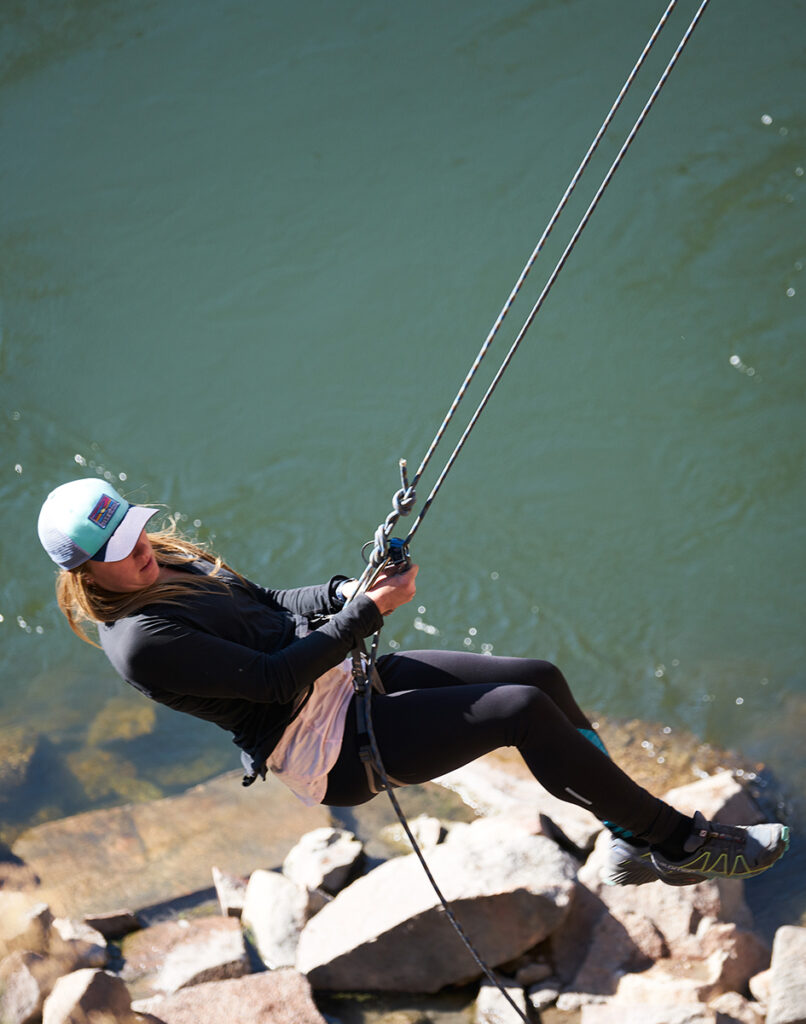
[404, 499]
[555, 273]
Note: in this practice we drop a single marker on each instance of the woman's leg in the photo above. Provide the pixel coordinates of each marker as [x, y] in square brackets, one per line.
[441, 710]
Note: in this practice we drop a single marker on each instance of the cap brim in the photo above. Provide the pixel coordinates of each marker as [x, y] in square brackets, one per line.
[122, 541]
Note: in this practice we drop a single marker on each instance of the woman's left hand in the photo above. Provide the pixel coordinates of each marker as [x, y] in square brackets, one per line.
[392, 590]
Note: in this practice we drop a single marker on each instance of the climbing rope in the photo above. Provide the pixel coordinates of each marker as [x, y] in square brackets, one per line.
[386, 549]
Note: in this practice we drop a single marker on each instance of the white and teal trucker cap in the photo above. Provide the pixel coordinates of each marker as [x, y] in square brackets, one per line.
[88, 519]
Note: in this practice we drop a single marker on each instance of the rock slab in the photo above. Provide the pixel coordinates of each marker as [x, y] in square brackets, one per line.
[274, 997]
[388, 932]
[144, 853]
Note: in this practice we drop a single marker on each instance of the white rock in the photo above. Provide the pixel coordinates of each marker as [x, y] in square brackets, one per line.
[231, 891]
[787, 1003]
[737, 1009]
[427, 831]
[760, 986]
[719, 797]
[544, 995]
[275, 911]
[88, 996]
[492, 1007]
[617, 1013]
[323, 859]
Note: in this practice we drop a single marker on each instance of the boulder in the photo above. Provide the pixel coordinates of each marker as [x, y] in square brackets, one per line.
[719, 797]
[676, 911]
[22, 987]
[387, 931]
[272, 997]
[24, 923]
[76, 944]
[491, 790]
[492, 1007]
[729, 957]
[172, 954]
[323, 859]
[787, 1003]
[218, 954]
[275, 911]
[86, 997]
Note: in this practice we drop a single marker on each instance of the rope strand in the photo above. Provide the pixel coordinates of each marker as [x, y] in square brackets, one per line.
[541, 242]
[559, 266]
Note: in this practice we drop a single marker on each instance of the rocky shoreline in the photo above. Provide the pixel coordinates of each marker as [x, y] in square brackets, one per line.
[304, 913]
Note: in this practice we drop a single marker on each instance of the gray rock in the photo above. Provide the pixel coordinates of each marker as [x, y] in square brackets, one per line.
[88, 995]
[533, 973]
[788, 980]
[275, 911]
[272, 997]
[387, 931]
[493, 1008]
[323, 859]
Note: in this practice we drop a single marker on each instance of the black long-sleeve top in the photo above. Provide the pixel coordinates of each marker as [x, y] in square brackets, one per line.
[244, 658]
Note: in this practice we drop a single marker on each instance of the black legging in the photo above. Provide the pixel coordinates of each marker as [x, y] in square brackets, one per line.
[443, 709]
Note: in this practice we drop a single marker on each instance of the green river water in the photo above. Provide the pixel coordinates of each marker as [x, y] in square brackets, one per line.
[248, 252]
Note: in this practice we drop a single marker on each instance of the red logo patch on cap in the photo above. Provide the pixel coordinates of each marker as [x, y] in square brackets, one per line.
[103, 511]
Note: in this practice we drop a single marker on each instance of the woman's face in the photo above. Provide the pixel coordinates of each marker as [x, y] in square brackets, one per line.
[137, 570]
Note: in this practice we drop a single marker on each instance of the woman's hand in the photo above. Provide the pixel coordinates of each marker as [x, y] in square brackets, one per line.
[392, 590]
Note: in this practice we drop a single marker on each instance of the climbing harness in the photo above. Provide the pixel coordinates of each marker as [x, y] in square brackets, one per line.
[393, 553]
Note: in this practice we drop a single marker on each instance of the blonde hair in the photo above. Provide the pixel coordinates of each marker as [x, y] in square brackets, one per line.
[81, 600]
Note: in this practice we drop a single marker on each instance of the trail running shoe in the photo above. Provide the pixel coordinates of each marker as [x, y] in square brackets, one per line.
[630, 864]
[725, 851]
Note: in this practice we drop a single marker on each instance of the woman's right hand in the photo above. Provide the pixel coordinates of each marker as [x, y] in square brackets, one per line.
[392, 590]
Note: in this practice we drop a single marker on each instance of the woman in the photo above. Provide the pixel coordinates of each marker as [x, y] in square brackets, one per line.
[273, 668]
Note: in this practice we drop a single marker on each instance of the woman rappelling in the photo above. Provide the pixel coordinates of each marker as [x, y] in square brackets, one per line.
[273, 667]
